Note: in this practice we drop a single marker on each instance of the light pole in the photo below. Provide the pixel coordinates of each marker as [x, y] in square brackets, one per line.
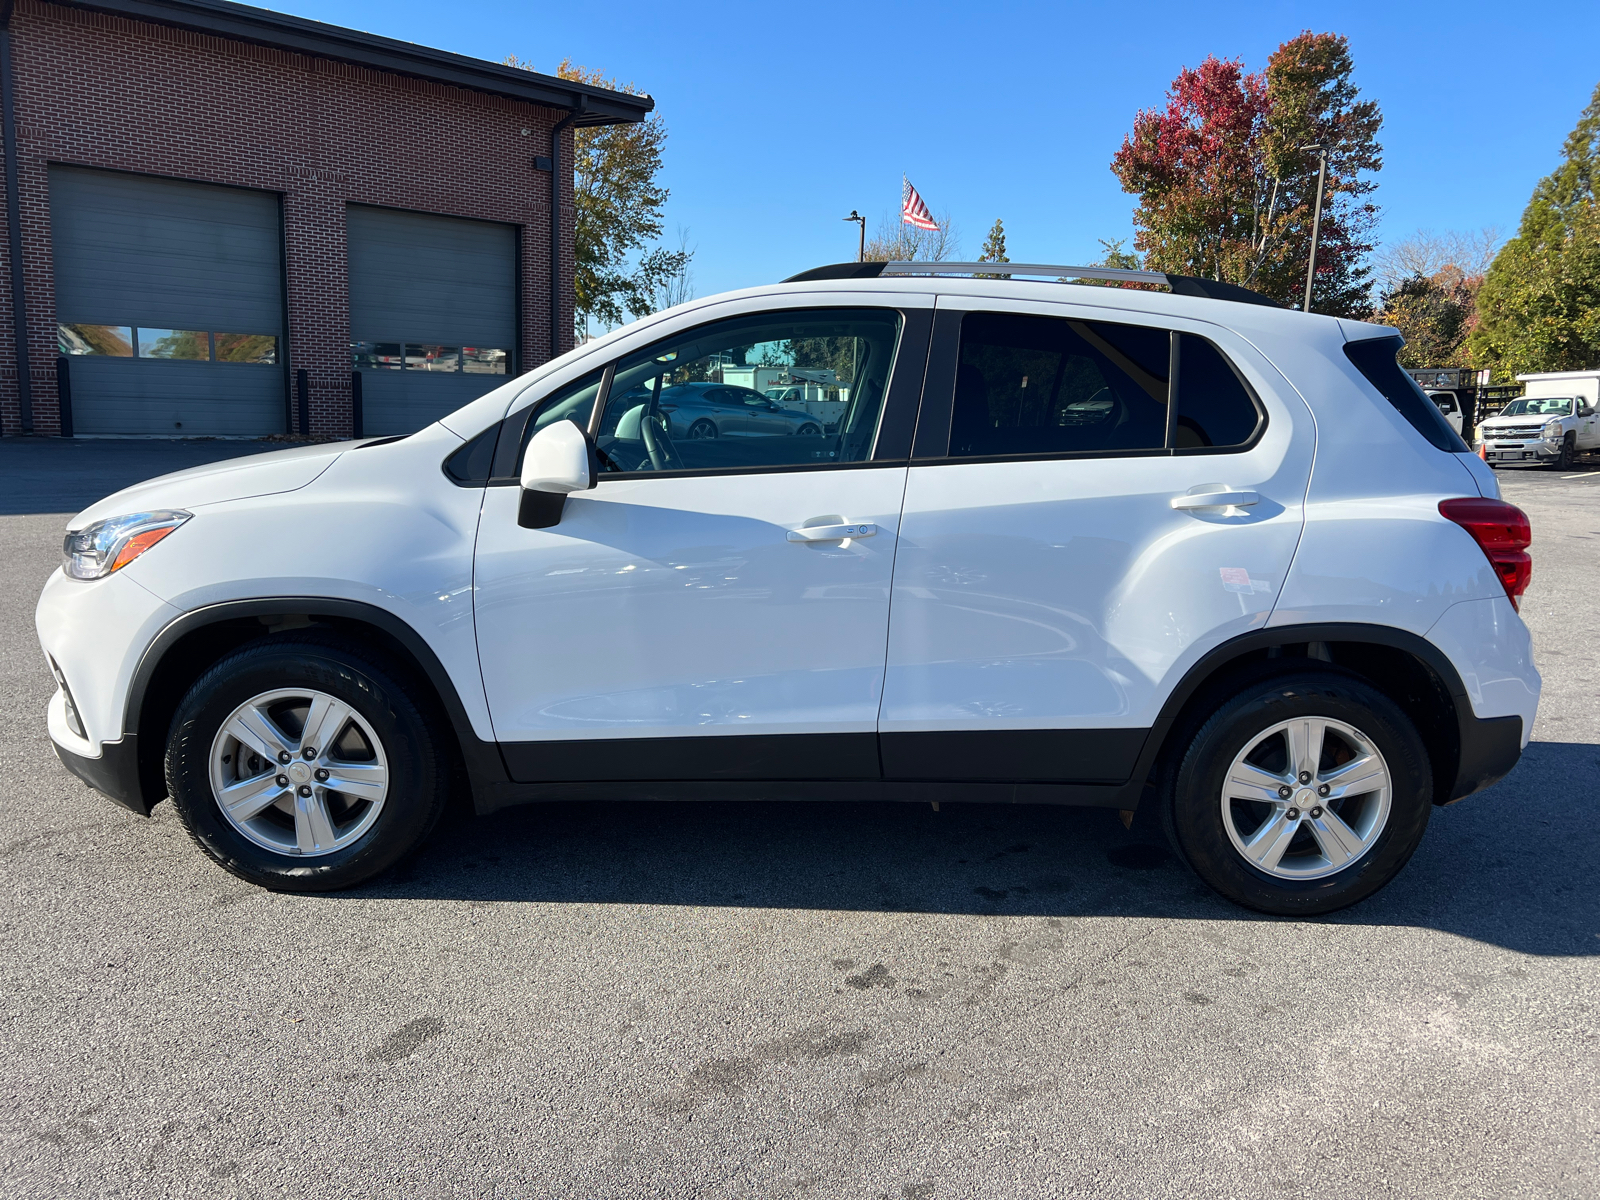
[861, 254]
[1321, 151]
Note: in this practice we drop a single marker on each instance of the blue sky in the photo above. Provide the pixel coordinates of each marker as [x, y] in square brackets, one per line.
[783, 118]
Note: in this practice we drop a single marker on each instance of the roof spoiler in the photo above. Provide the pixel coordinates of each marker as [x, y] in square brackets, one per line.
[1181, 285]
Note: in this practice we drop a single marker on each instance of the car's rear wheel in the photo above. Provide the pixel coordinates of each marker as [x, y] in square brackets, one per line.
[304, 766]
[702, 429]
[1301, 794]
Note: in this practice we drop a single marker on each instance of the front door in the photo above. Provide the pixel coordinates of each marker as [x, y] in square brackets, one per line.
[715, 607]
[1072, 539]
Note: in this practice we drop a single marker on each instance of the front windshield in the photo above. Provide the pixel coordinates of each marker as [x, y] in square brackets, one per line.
[1539, 406]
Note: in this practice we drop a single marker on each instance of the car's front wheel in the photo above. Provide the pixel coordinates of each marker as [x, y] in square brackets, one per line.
[303, 765]
[1301, 794]
[1569, 451]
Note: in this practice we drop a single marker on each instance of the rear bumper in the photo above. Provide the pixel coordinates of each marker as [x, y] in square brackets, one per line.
[115, 773]
[1490, 747]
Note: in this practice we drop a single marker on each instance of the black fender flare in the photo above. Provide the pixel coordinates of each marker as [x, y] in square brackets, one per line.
[1485, 753]
[482, 759]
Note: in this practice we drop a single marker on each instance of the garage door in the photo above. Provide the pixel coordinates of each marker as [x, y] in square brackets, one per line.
[169, 305]
[433, 313]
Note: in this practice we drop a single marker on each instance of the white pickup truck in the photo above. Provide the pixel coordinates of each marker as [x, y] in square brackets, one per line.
[1540, 431]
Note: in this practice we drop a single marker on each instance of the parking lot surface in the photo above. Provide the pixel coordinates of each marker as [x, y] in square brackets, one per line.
[742, 1000]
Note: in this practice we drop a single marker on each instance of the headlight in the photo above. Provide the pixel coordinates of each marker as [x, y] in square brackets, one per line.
[106, 546]
[1552, 431]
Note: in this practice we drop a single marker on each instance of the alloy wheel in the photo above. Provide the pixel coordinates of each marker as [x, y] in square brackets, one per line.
[299, 772]
[1306, 798]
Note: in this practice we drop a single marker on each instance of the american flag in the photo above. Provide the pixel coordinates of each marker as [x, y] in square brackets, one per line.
[912, 210]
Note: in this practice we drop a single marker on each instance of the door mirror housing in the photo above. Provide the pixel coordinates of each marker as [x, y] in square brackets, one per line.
[560, 459]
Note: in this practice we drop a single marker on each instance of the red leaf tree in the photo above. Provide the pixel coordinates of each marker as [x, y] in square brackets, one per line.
[1225, 190]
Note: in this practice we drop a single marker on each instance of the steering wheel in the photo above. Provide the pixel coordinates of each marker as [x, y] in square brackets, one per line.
[658, 443]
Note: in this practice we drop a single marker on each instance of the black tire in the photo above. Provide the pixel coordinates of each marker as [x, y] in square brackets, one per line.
[1569, 451]
[809, 431]
[419, 772]
[1191, 789]
[703, 429]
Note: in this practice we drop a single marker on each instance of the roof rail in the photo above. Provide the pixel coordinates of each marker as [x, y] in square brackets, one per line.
[1181, 285]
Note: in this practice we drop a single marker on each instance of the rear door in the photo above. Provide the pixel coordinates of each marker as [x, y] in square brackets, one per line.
[1068, 546]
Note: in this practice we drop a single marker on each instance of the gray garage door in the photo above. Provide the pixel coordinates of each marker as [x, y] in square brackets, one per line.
[169, 302]
[433, 313]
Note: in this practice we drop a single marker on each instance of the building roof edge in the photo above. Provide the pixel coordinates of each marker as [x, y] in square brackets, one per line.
[242, 22]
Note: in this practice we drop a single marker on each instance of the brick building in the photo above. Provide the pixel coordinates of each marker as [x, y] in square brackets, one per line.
[222, 221]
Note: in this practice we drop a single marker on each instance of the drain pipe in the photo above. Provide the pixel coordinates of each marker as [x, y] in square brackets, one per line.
[19, 306]
[580, 104]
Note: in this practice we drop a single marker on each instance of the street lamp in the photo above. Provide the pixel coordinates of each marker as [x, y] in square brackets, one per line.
[861, 254]
[1321, 151]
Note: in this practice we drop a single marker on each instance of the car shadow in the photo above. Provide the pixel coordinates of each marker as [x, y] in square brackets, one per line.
[1511, 866]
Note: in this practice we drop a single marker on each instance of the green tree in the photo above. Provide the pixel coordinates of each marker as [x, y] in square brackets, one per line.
[1435, 313]
[994, 249]
[1539, 307]
[618, 212]
[1226, 190]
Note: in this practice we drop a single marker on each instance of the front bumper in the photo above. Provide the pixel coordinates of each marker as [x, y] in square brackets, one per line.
[115, 773]
[1520, 453]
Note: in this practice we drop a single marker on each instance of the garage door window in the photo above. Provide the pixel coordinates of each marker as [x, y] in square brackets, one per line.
[175, 343]
[428, 357]
[112, 341]
[168, 345]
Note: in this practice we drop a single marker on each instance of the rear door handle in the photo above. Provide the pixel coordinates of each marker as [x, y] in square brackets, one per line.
[832, 533]
[1216, 500]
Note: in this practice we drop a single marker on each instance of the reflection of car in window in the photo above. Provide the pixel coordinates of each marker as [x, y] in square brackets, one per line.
[707, 410]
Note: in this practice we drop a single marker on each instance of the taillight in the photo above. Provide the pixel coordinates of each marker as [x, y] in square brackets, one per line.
[1503, 533]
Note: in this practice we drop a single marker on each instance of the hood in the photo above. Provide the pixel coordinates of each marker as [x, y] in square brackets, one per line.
[233, 479]
[1519, 422]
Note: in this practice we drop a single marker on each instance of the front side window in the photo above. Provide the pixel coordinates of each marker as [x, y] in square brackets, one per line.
[1036, 386]
[705, 401]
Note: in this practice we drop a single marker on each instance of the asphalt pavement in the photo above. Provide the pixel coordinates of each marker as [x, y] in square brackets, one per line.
[807, 1000]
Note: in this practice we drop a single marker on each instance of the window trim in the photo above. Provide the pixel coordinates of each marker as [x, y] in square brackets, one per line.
[936, 417]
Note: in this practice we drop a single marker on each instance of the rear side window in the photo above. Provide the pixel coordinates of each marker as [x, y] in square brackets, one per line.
[1044, 385]
[1032, 385]
[1375, 359]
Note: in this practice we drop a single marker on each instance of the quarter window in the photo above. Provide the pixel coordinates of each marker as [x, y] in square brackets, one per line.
[1215, 407]
[705, 401]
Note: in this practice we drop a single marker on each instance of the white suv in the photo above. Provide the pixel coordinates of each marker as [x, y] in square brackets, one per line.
[1133, 549]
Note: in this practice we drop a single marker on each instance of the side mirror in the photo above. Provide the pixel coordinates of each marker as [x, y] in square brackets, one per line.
[560, 459]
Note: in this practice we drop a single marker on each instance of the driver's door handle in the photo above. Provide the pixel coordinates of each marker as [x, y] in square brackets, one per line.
[832, 533]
